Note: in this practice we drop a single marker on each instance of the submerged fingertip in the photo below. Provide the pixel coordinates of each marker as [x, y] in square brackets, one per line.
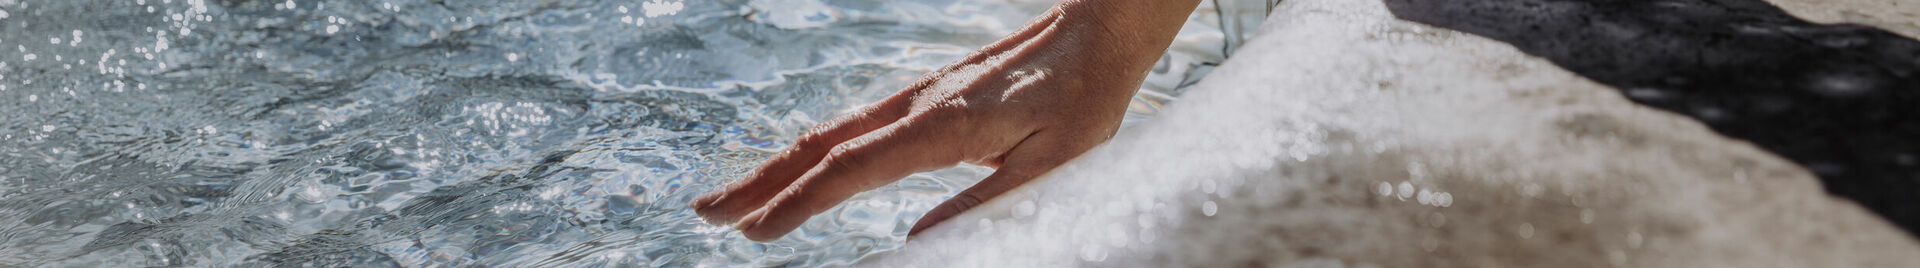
[747, 223]
[751, 230]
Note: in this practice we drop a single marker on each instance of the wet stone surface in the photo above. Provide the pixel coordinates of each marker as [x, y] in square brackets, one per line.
[1836, 98]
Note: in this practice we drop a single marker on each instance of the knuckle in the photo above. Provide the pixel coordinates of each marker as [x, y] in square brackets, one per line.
[806, 143]
[789, 192]
[844, 150]
[845, 155]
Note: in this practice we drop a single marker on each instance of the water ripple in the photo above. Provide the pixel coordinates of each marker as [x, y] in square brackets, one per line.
[451, 133]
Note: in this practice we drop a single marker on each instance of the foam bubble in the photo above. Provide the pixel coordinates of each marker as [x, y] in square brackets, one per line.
[1406, 190]
[660, 8]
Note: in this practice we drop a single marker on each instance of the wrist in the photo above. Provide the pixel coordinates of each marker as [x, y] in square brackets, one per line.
[1135, 32]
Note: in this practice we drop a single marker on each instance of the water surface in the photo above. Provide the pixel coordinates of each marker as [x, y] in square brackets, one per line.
[454, 133]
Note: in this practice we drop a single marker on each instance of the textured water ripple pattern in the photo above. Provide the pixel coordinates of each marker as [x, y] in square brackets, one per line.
[455, 133]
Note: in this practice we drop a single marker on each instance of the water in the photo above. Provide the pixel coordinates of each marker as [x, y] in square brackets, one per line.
[456, 133]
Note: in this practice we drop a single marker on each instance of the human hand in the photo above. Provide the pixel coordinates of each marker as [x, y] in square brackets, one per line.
[1024, 105]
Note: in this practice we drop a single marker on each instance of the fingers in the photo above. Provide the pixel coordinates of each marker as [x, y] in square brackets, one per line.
[748, 193]
[862, 164]
[1033, 157]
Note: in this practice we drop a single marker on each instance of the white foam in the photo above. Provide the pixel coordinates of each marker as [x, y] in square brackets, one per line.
[1437, 111]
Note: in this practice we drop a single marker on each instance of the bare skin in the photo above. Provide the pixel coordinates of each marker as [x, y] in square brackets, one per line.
[1023, 105]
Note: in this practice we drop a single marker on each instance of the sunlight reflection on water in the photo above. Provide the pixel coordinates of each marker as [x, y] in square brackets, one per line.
[427, 133]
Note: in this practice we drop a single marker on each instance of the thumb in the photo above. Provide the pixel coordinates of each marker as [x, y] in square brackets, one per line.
[1039, 153]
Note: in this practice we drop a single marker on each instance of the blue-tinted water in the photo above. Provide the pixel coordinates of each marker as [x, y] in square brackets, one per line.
[454, 133]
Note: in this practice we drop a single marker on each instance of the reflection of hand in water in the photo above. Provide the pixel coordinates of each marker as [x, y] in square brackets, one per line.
[1023, 105]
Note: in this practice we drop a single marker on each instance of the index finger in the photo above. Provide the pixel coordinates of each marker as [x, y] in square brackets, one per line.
[862, 164]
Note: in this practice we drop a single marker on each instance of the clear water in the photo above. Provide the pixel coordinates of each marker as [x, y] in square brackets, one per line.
[455, 133]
